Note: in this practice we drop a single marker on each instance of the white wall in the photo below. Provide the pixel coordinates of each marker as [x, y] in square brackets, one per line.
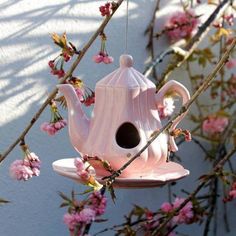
[25, 81]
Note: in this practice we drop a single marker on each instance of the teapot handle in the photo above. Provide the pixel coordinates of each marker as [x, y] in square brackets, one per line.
[178, 88]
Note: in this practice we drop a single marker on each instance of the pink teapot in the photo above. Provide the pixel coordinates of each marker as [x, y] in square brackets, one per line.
[124, 117]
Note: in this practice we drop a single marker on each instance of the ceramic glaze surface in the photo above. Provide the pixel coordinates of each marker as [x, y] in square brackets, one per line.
[125, 116]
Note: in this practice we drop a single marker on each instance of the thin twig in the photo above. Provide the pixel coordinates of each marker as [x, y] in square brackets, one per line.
[218, 167]
[150, 32]
[190, 47]
[205, 84]
[61, 81]
[172, 50]
[202, 147]
[221, 152]
[212, 204]
[225, 215]
[188, 68]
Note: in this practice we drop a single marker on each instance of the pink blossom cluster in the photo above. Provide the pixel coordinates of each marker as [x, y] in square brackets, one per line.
[184, 216]
[92, 208]
[231, 63]
[98, 202]
[26, 168]
[59, 72]
[228, 17]
[80, 93]
[89, 99]
[181, 25]
[151, 222]
[53, 127]
[215, 124]
[76, 220]
[106, 10]
[85, 97]
[187, 135]
[231, 194]
[82, 171]
[85, 94]
[66, 56]
[167, 108]
[103, 57]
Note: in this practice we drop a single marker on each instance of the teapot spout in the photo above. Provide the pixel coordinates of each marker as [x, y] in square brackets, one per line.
[78, 122]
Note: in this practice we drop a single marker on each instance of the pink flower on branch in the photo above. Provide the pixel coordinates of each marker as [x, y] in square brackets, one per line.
[215, 124]
[83, 171]
[26, 168]
[181, 25]
[57, 122]
[166, 207]
[231, 63]
[82, 213]
[106, 10]
[231, 194]
[167, 108]
[70, 220]
[185, 214]
[84, 93]
[86, 216]
[98, 202]
[19, 171]
[103, 56]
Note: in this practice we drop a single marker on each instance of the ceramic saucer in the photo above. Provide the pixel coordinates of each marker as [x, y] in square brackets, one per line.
[162, 174]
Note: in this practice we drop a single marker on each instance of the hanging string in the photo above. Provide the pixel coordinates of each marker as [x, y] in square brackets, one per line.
[126, 26]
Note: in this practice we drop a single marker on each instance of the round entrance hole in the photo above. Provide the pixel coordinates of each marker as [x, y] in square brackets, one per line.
[127, 136]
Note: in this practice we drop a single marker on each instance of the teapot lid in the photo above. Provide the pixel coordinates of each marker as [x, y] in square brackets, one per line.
[125, 76]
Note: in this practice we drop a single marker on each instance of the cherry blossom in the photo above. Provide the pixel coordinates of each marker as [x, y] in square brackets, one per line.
[185, 214]
[56, 123]
[181, 25]
[103, 56]
[231, 63]
[167, 108]
[215, 124]
[26, 168]
[106, 10]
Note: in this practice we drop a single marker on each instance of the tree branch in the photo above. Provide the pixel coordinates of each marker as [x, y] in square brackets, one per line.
[61, 81]
[203, 87]
[189, 48]
[150, 32]
[218, 167]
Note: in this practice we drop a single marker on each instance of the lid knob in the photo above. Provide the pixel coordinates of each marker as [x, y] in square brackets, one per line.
[126, 61]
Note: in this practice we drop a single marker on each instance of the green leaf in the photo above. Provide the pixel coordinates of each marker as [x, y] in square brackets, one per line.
[112, 192]
[208, 54]
[202, 61]
[64, 204]
[192, 58]
[194, 118]
[87, 191]
[138, 211]
[63, 196]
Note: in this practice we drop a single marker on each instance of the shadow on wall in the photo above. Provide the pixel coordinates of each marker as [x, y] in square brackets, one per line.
[25, 81]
